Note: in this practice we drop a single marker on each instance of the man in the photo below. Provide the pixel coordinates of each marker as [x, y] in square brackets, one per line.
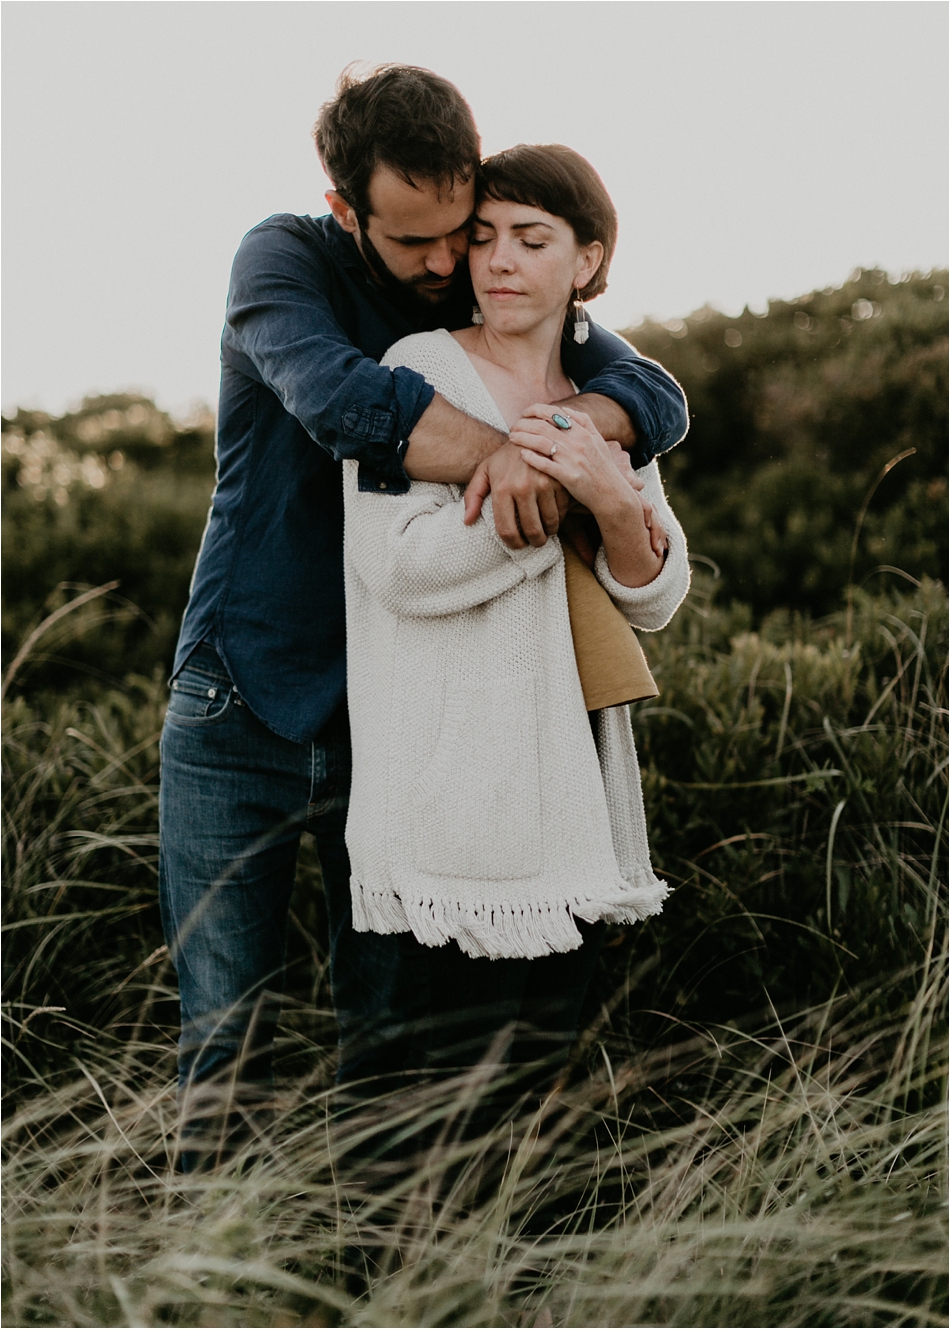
[255, 747]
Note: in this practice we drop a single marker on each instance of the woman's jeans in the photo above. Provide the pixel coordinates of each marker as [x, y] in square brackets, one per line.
[235, 798]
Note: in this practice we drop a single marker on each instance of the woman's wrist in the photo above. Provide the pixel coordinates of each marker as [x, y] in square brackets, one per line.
[618, 509]
[630, 555]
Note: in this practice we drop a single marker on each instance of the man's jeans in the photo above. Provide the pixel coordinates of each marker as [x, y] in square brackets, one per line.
[235, 799]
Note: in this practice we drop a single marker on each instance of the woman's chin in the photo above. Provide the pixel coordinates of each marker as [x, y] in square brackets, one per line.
[509, 323]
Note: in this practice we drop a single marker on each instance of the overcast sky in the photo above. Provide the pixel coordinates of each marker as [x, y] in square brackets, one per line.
[753, 149]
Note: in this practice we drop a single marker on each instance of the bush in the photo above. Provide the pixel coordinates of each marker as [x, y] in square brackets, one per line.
[113, 492]
[794, 415]
[795, 783]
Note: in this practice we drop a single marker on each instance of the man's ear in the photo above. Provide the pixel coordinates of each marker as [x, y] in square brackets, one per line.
[342, 211]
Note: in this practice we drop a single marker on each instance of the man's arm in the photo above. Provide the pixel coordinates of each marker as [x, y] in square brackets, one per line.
[609, 417]
[447, 445]
[281, 330]
[654, 404]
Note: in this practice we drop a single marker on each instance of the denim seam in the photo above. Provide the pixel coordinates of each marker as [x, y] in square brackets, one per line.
[216, 676]
[217, 622]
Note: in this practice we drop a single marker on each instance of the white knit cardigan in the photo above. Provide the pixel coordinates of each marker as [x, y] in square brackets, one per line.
[479, 810]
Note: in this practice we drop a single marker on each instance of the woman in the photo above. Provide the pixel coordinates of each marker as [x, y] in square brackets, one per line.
[488, 811]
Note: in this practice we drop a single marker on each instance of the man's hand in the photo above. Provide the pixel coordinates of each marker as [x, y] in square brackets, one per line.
[447, 445]
[527, 506]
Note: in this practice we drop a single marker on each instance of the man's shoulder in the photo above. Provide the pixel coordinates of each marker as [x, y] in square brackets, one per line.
[319, 237]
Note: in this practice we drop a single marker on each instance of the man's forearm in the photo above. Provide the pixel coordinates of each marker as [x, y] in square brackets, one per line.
[447, 445]
[610, 419]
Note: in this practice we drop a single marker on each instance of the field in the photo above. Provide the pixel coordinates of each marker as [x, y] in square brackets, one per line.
[753, 1132]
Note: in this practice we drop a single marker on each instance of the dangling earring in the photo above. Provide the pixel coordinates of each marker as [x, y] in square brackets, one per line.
[477, 315]
[581, 326]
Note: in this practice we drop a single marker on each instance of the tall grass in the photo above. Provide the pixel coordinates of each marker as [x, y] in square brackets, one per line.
[754, 1133]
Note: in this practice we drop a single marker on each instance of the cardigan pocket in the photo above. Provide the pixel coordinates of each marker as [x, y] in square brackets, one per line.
[476, 810]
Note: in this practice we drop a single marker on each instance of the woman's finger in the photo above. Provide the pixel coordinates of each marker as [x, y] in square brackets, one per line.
[578, 417]
[540, 462]
[542, 411]
[538, 439]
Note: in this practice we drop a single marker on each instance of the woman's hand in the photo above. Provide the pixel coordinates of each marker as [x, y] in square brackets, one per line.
[596, 473]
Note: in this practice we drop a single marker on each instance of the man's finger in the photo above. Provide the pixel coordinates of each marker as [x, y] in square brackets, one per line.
[476, 492]
[506, 521]
[549, 508]
[530, 519]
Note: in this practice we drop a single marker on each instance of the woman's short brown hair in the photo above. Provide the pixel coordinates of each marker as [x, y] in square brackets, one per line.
[560, 181]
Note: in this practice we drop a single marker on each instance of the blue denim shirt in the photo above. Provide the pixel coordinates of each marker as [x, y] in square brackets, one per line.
[301, 389]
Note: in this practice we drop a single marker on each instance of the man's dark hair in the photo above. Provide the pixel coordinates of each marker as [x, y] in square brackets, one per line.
[560, 181]
[408, 119]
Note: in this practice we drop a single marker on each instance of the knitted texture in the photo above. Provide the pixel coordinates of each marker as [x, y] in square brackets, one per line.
[480, 809]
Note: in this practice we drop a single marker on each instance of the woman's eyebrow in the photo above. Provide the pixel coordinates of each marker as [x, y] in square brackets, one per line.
[518, 226]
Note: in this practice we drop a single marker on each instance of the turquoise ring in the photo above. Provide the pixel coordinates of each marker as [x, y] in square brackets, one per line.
[561, 421]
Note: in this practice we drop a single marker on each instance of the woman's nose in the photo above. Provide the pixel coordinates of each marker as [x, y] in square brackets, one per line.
[501, 258]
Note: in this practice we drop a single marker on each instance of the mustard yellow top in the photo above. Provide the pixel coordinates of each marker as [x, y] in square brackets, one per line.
[612, 667]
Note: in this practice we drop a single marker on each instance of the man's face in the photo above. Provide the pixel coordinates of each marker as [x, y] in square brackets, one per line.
[415, 236]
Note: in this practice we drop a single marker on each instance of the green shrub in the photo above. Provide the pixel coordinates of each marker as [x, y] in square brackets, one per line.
[793, 416]
[113, 492]
[795, 782]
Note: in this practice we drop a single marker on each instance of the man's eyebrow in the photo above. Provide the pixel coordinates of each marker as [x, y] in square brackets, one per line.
[428, 239]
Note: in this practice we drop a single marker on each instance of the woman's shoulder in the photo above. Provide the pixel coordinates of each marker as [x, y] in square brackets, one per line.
[443, 362]
[422, 349]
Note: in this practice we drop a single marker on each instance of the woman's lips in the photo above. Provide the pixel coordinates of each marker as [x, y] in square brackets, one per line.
[502, 292]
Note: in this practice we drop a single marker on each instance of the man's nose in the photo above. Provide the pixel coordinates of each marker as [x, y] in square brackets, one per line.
[441, 258]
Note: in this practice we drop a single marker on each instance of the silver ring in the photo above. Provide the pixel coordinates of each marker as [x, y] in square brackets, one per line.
[560, 421]
[553, 450]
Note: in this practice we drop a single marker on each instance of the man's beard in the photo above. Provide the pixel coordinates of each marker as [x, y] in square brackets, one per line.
[414, 289]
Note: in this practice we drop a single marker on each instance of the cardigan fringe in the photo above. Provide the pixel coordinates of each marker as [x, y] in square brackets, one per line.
[526, 930]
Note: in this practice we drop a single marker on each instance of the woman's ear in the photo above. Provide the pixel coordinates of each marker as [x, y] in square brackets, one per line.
[343, 213]
[590, 258]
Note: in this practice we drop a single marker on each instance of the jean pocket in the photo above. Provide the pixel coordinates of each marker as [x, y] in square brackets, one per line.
[199, 699]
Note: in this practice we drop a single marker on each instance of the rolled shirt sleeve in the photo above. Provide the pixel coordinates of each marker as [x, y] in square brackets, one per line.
[651, 397]
[281, 330]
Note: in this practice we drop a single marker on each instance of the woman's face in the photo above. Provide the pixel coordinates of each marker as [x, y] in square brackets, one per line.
[525, 264]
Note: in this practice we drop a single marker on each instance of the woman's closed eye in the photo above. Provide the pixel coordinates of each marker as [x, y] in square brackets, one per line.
[477, 240]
